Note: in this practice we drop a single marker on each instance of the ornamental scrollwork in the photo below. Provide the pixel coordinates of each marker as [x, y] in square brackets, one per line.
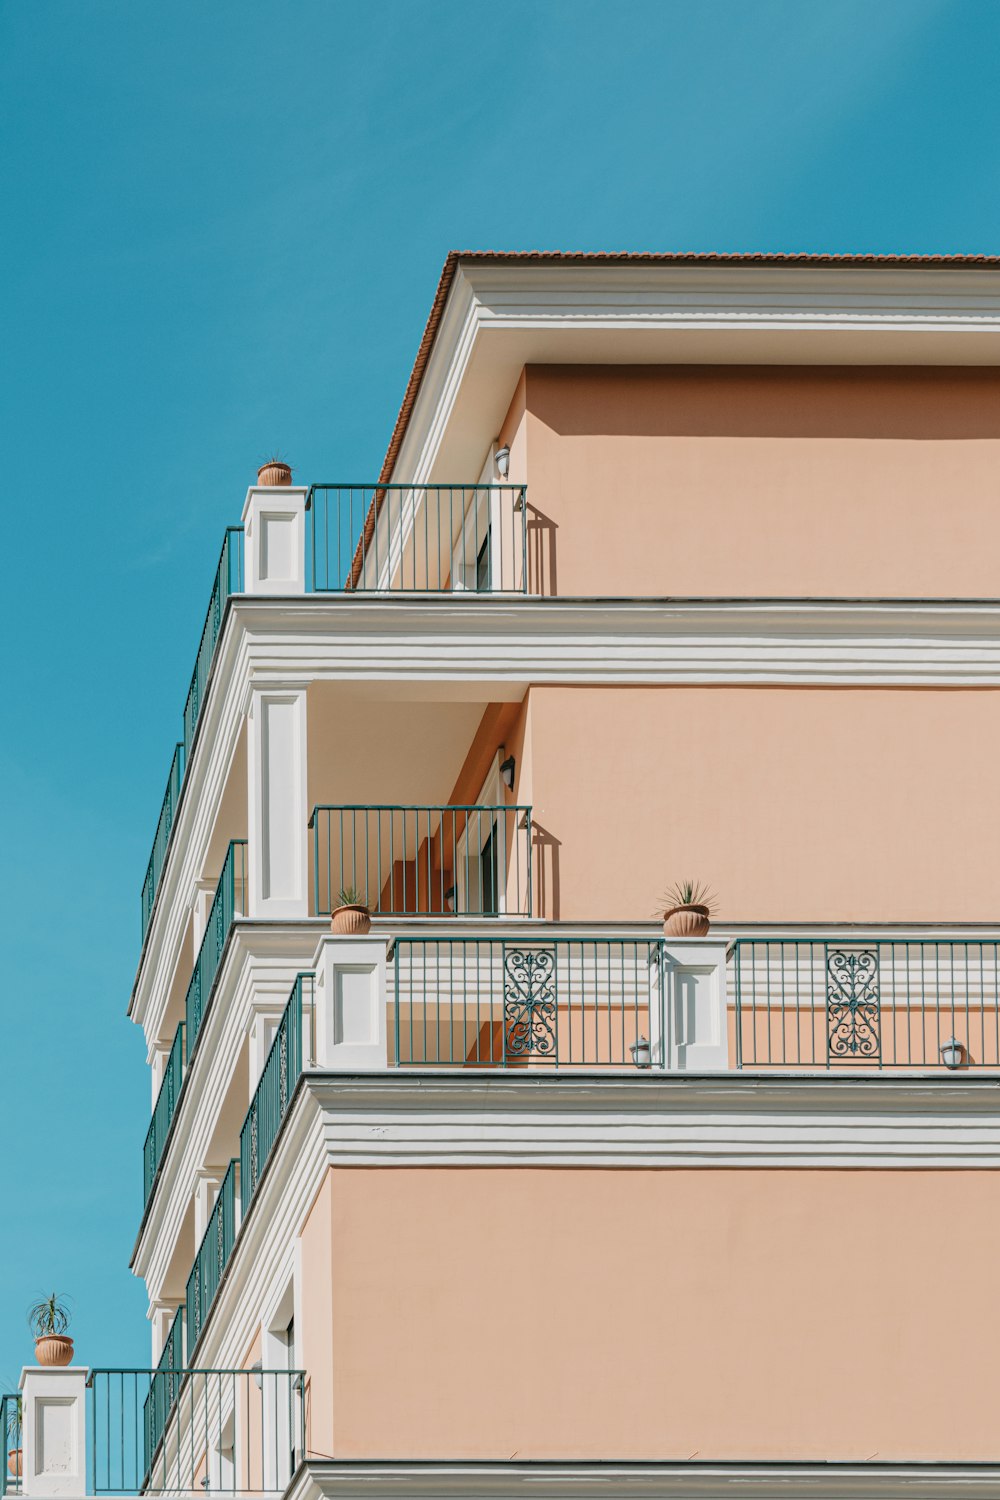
[529, 1002]
[853, 1005]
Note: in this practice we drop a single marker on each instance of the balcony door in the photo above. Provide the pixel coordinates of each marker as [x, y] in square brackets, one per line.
[481, 853]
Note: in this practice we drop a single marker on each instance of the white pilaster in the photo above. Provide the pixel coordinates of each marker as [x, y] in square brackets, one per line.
[204, 895]
[694, 1006]
[274, 527]
[350, 1001]
[278, 853]
[262, 1031]
[161, 1315]
[207, 1185]
[54, 1404]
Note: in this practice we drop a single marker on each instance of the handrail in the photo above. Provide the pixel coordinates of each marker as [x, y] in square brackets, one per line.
[273, 1093]
[163, 1112]
[229, 902]
[212, 1258]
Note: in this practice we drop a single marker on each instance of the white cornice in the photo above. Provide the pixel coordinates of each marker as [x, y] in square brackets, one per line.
[608, 1480]
[500, 316]
[446, 1118]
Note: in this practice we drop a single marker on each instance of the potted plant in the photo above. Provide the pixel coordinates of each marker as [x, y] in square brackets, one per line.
[48, 1321]
[274, 472]
[688, 907]
[351, 916]
[15, 1427]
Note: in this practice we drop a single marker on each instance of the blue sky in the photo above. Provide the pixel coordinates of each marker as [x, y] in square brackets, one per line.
[223, 226]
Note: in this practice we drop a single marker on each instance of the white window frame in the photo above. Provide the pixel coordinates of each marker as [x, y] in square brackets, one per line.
[467, 855]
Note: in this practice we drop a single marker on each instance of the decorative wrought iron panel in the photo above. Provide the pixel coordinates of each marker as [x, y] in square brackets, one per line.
[853, 1006]
[529, 1003]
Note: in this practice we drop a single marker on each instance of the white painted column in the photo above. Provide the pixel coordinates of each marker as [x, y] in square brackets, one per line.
[204, 895]
[262, 1031]
[274, 535]
[161, 1315]
[54, 1432]
[278, 842]
[208, 1181]
[694, 1006]
[350, 1001]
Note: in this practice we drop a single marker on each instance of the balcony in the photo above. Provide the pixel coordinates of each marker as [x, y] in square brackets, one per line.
[228, 903]
[417, 861]
[187, 1431]
[427, 538]
[228, 580]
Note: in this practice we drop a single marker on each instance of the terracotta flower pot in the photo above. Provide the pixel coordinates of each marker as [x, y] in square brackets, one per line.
[274, 474]
[351, 921]
[686, 921]
[54, 1349]
[14, 1465]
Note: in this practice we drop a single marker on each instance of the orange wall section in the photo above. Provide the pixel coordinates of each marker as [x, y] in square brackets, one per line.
[760, 481]
[657, 1314]
[794, 804]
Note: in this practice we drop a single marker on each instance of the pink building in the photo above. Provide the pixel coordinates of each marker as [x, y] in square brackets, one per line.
[676, 566]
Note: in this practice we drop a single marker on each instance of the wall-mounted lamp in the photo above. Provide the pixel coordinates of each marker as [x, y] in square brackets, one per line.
[952, 1053]
[256, 1371]
[507, 772]
[449, 899]
[641, 1052]
[502, 459]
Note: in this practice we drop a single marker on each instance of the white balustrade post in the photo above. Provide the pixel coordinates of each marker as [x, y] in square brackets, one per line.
[274, 535]
[350, 1003]
[695, 1005]
[277, 813]
[54, 1430]
[208, 1181]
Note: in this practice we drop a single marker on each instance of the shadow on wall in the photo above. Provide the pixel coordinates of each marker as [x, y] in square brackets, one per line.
[545, 857]
[542, 574]
[757, 402]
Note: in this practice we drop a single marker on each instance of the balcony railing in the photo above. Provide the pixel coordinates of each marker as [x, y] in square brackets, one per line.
[234, 1432]
[274, 1090]
[163, 1389]
[882, 1003]
[228, 580]
[499, 1003]
[437, 538]
[414, 861]
[10, 1428]
[163, 1113]
[212, 1258]
[229, 902]
[162, 836]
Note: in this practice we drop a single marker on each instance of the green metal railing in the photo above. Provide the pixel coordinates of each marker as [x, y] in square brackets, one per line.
[163, 1391]
[11, 1428]
[228, 580]
[161, 838]
[234, 1432]
[229, 902]
[438, 538]
[163, 1113]
[857, 1003]
[412, 861]
[274, 1091]
[212, 1258]
[496, 1002]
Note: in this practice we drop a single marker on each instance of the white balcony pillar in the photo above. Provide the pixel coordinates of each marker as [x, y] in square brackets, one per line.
[207, 1184]
[274, 534]
[278, 852]
[263, 1027]
[54, 1430]
[201, 905]
[694, 1011]
[350, 1004]
[161, 1315]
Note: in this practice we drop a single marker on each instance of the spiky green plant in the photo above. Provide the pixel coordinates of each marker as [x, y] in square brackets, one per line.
[689, 893]
[349, 895]
[50, 1315]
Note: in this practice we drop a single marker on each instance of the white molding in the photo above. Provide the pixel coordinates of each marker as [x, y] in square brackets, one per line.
[443, 1117]
[610, 1480]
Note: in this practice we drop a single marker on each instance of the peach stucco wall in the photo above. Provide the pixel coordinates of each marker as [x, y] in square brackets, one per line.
[761, 481]
[574, 1313]
[795, 804]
